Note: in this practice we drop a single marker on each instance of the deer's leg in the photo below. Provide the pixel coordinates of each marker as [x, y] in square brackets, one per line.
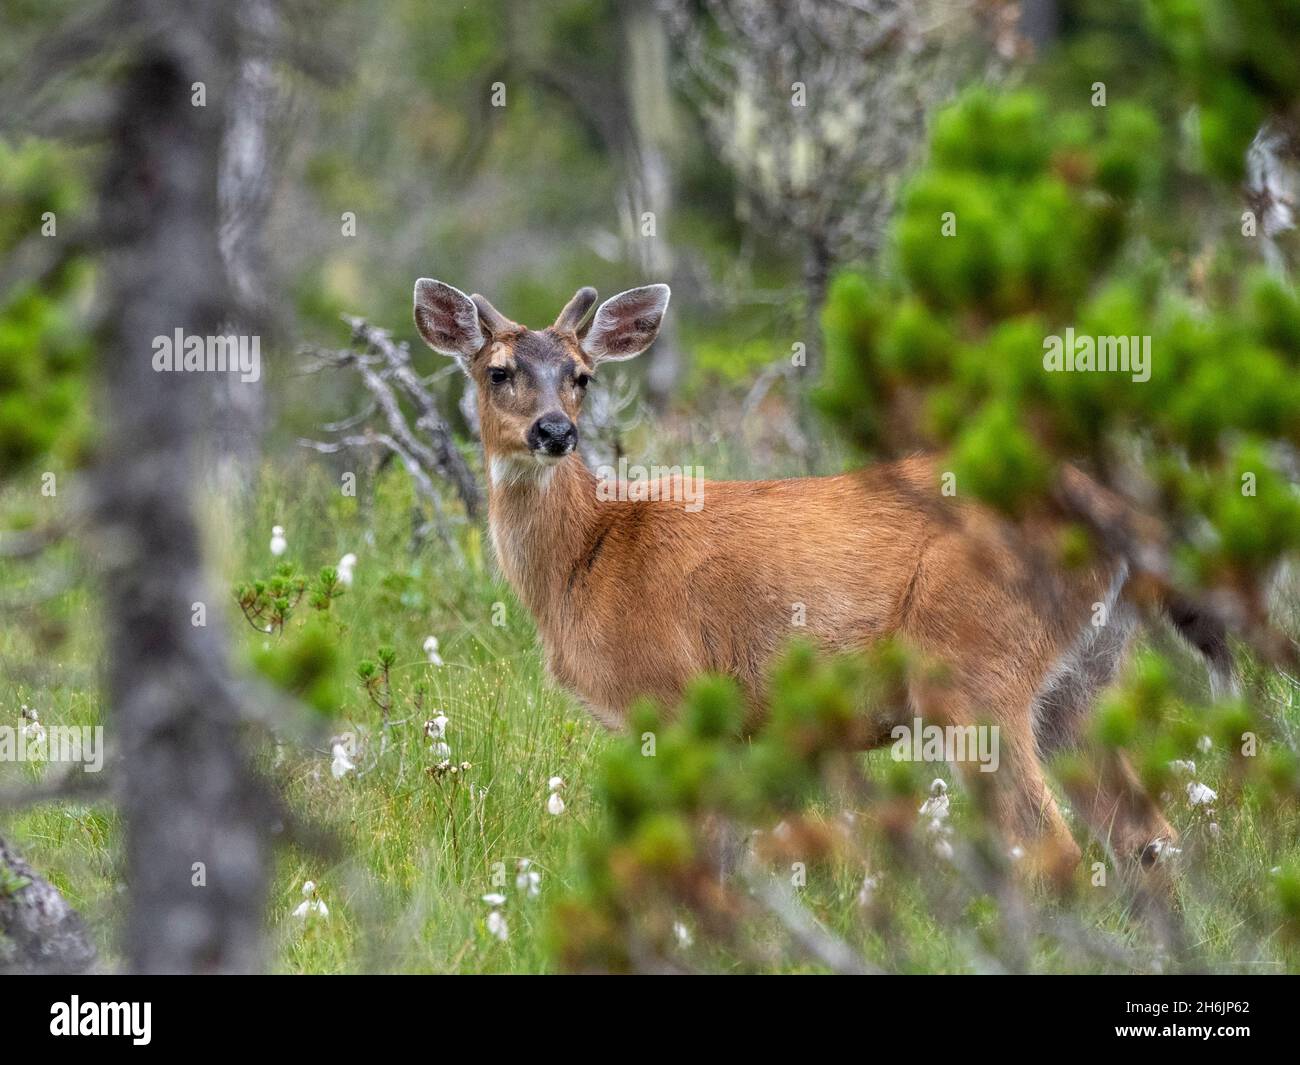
[1019, 802]
[1113, 803]
[1104, 788]
[1009, 788]
[1118, 809]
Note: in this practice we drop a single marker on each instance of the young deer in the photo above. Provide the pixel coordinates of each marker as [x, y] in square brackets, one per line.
[635, 597]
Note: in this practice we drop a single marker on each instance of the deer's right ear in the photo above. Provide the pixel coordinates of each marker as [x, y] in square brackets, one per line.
[626, 324]
[448, 320]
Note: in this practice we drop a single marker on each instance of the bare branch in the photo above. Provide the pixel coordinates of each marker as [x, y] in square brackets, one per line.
[426, 449]
[806, 931]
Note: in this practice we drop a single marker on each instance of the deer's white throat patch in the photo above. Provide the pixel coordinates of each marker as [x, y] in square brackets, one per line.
[510, 537]
[510, 470]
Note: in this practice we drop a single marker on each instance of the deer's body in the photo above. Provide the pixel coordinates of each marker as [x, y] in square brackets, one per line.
[636, 597]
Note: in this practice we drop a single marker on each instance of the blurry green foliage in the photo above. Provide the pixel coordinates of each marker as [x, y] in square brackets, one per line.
[305, 663]
[303, 658]
[671, 783]
[43, 343]
[1012, 235]
[1238, 58]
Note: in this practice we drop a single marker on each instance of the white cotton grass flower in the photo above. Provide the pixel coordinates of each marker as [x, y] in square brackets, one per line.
[431, 650]
[496, 920]
[936, 806]
[1204, 744]
[1184, 767]
[935, 811]
[278, 543]
[554, 801]
[33, 731]
[1200, 794]
[683, 935]
[436, 729]
[527, 879]
[346, 564]
[497, 926]
[867, 892]
[312, 904]
[342, 765]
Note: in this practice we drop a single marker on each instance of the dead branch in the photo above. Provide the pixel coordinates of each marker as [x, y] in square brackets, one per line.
[31, 542]
[427, 449]
[448, 460]
[73, 785]
[805, 930]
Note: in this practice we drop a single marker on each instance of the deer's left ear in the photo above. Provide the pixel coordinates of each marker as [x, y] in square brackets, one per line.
[448, 320]
[626, 324]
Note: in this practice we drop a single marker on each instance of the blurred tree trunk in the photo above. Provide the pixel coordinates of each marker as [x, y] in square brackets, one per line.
[39, 931]
[820, 109]
[629, 109]
[196, 849]
[818, 263]
[244, 189]
[1040, 22]
[650, 186]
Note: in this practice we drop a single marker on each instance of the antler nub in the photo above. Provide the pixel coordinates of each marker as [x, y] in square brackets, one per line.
[576, 310]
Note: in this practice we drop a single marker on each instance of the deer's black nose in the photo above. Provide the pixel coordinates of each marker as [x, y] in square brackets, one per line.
[553, 434]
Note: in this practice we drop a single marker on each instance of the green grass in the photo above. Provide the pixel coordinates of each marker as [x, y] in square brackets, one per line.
[418, 853]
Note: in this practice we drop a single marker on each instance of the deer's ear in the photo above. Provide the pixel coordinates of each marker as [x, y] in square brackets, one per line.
[626, 324]
[448, 320]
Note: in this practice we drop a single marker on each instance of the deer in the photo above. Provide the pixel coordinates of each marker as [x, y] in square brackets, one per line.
[635, 597]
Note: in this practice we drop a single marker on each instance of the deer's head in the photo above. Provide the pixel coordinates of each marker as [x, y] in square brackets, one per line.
[531, 382]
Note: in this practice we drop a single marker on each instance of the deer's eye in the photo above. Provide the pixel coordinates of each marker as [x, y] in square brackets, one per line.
[498, 375]
[582, 380]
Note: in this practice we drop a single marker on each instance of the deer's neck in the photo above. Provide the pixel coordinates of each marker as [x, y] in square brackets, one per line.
[541, 520]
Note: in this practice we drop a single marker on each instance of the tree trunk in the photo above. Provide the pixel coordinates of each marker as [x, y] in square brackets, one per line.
[39, 931]
[650, 177]
[818, 262]
[816, 278]
[196, 847]
[244, 191]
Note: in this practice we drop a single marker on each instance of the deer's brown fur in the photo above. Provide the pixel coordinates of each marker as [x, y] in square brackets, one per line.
[635, 597]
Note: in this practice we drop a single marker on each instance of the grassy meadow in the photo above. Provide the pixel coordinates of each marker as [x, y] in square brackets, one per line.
[417, 851]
